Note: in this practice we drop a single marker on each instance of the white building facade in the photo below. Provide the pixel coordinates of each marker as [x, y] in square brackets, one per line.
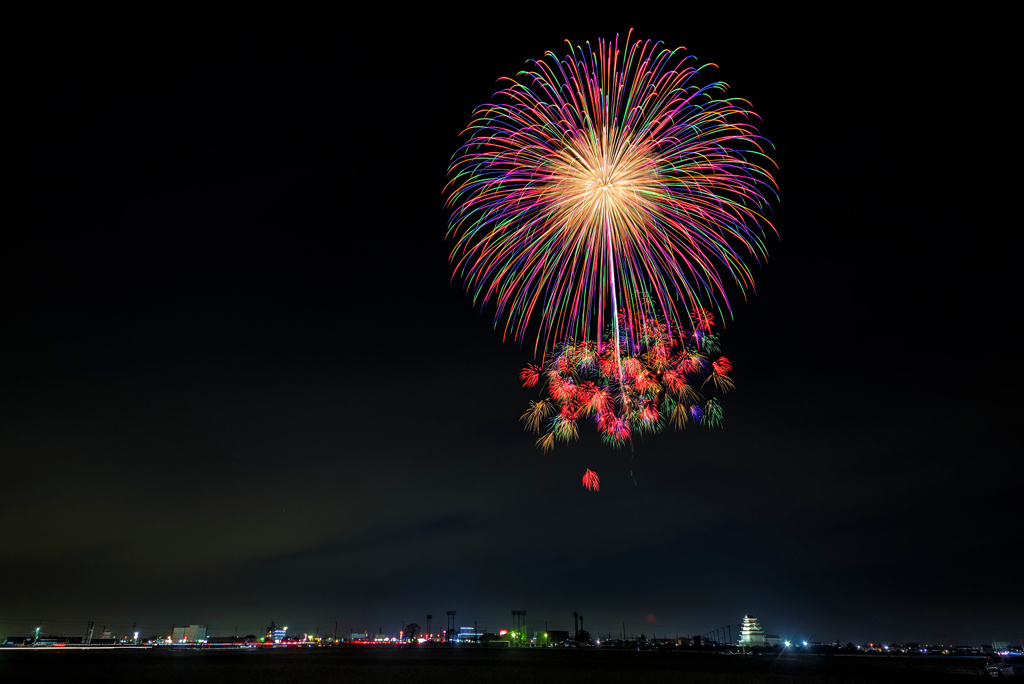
[751, 633]
[189, 634]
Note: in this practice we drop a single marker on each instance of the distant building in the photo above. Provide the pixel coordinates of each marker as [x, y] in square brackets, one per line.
[751, 633]
[773, 639]
[552, 637]
[17, 641]
[50, 639]
[467, 635]
[189, 635]
[275, 634]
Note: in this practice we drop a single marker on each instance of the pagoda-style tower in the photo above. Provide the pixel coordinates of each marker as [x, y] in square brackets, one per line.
[751, 633]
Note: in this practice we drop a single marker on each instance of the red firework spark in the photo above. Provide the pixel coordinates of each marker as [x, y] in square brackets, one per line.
[530, 375]
[722, 366]
[591, 481]
[702, 319]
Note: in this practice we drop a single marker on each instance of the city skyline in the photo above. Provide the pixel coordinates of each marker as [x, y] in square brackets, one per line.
[240, 379]
[331, 630]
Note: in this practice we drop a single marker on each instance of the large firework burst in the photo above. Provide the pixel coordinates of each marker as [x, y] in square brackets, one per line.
[608, 181]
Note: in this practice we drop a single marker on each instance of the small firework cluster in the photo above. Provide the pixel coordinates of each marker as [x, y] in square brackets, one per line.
[653, 377]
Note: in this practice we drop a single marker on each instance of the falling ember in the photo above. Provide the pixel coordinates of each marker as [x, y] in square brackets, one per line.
[591, 481]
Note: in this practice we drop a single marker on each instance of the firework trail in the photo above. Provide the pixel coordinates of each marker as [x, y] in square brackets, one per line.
[607, 188]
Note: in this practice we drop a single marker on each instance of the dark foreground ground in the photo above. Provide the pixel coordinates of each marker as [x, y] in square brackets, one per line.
[465, 665]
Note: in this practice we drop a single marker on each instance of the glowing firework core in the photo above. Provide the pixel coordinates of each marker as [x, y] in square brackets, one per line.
[599, 184]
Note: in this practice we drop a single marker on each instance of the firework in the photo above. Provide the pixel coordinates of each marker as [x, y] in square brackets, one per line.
[640, 385]
[591, 481]
[608, 182]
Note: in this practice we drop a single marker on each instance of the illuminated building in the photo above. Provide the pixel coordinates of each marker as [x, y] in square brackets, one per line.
[751, 633]
[189, 635]
[467, 635]
[275, 634]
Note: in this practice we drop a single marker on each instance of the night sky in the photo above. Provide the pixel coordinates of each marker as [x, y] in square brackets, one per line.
[239, 384]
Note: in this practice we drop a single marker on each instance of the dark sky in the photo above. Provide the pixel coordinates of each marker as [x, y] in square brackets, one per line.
[239, 385]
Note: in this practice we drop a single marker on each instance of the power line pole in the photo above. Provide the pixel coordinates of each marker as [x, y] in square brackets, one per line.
[449, 626]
